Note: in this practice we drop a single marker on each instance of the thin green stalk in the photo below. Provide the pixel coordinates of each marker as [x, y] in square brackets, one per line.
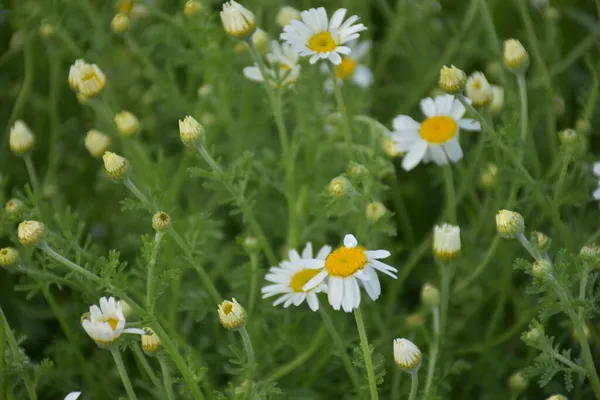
[433, 352]
[14, 348]
[70, 264]
[481, 266]
[524, 107]
[342, 110]
[139, 354]
[414, 385]
[445, 295]
[150, 282]
[251, 362]
[35, 185]
[253, 282]
[167, 381]
[123, 372]
[364, 344]
[134, 189]
[341, 347]
[587, 358]
[450, 194]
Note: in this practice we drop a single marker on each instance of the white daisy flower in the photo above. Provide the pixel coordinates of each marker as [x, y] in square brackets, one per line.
[290, 277]
[596, 171]
[322, 38]
[284, 69]
[350, 68]
[106, 324]
[343, 269]
[436, 138]
[73, 396]
[407, 355]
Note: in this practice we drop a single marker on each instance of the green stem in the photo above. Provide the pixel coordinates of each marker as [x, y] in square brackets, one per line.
[338, 342]
[137, 193]
[433, 352]
[32, 175]
[445, 294]
[587, 358]
[150, 284]
[139, 354]
[68, 263]
[123, 372]
[364, 344]
[14, 348]
[524, 107]
[167, 382]
[253, 282]
[479, 269]
[450, 194]
[414, 385]
[251, 362]
[342, 110]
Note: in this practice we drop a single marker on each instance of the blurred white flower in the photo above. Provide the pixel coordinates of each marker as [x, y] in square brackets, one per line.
[350, 68]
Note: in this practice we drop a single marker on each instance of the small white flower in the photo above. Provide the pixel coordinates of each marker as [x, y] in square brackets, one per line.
[106, 324]
[322, 38]
[407, 355]
[290, 277]
[231, 314]
[345, 268]
[437, 137]
[446, 241]
[73, 396]
[284, 69]
[237, 21]
[86, 79]
[350, 67]
[21, 139]
[478, 90]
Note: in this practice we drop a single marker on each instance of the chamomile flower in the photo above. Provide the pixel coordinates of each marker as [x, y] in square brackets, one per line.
[344, 268]
[290, 277]
[106, 324]
[436, 138]
[322, 38]
[350, 68]
[284, 69]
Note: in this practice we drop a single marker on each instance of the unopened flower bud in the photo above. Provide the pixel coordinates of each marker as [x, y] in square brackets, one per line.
[161, 221]
[357, 169]
[487, 179]
[286, 15]
[567, 137]
[541, 269]
[150, 342]
[407, 355]
[29, 232]
[21, 139]
[251, 243]
[127, 123]
[191, 132]
[375, 211]
[339, 187]
[517, 382]
[446, 241]
[8, 256]
[590, 253]
[390, 148]
[509, 224]
[47, 30]
[232, 314]
[586, 332]
[119, 23]
[430, 296]
[542, 240]
[115, 165]
[497, 99]
[534, 335]
[14, 208]
[413, 321]
[260, 38]
[97, 143]
[452, 80]
[191, 8]
[516, 57]
[127, 310]
[479, 90]
[238, 22]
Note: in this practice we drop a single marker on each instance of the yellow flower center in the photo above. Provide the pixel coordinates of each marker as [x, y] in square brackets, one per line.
[344, 262]
[438, 129]
[113, 323]
[284, 67]
[227, 308]
[300, 279]
[346, 68]
[89, 76]
[322, 42]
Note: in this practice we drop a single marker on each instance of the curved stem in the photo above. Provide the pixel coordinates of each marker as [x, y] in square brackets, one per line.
[35, 185]
[131, 186]
[123, 372]
[433, 352]
[141, 357]
[450, 194]
[587, 358]
[414, 385]
[251, 362]
[364, 344]
[150, 284]
[253, 282]
[167, 382]
[342, 110]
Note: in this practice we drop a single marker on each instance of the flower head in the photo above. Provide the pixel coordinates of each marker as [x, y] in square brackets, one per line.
[29, 232]
[161, 221]
[339, 187]
[497, 99]
[351, 68]
[127, 123]
[452, 79]
[115, 165]
[288, 279]
[284, 69]
[509, 223]
[446, 241]
[430, 296]
[478, 90]
[436, 138]
[8, 256]
[150, 342]
[21, 139]
[190, 131]
[97, 143]
[407, 355]
[345, 268]
[375, 210]
[238, 22]
[515, 55]
[86, 79]
[191, 8]
[119, 23]
[106, 324]
[286, 15]
[14, 208]
[232, 314]
[322, 38]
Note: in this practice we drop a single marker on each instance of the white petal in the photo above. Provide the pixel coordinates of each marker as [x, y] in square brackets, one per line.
[405, 140]
[282, 299]
[360, 274]
[596, 168]
[469, 124]
[312, 301]
[428, 107]
[315, 281]
[336, 292]
[363, 77]
[377, 254]
[290, 300]
[372, 286]
[404, 122]
[457, 110]
[324, 252]
[414, 156]
[136, 331]
[350, 241]
[349, 299]
[337, 18]
[443, 104]
[253, 73]
[384, 268]
[438, 155]
[313, 264]
[345, 50]
[453, 150]
[73, 396]
[596, 194]
[299, 298]
[335, 58]
[361, 50]
[294, 256]
[307, 252]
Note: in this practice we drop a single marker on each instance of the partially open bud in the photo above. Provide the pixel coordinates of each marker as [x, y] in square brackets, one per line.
[8, 256]
[286, 15]
[515, 56]
[339, 187]
[479, 90]
[161, 221]
[86, 79]
[590, 253]
[191, 132]
[127, 310]
[541, 269]
[237, 21]
[97, 143]
[115, 165]
[375, 211]
[150, 342]
[191, 8]
[542, 240]
[452, 80]
[14, 208]
[430, 296]
[21, 139]
[127, 123]
[497, 99]
[119, 23]
[232, 314]
[509, 224]
[446, 241]
[487, 179]
[517, 382]
[29, 232]
[407, 355]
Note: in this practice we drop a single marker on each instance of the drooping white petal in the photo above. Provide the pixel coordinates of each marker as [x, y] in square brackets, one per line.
[377, 254]
[428, 107]
[336, 292]
[313, 301]
[438, 155]
[469, 124]
[414, 156]
[320, 277]
[453, 150]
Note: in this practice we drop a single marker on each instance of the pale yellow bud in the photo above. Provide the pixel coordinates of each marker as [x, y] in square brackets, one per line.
[430, 296]
[286, 15]
[497, 99]
[237, 21]
[191, 132]
[29, 232]
[260, 39]
[119, 23]
[14, 208]
[161, 221]
[115, 165]
[534, 335]
[375, 211]
[205, 90]
[357, 170]
[516, 57]
[21, 139]
[509, 224]
[127, 310]
[390, 148]
[47, 30]
[590, 253]
[541, 269]
[8, 256]
[97, 143]
[86, 79]
[452, 80]
[339, 187]
[446, 241]
[487, 179]
[192, 8]
[479, 90]
[251, 243]
[232, 314]
[127, 123]
[517, 382]
[542, 239]
[150, 342]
